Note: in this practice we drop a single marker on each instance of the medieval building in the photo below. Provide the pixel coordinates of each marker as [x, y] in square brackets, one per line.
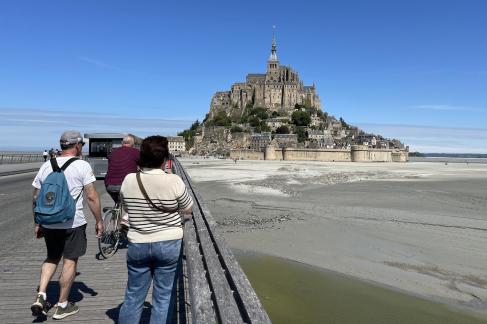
[279, 89]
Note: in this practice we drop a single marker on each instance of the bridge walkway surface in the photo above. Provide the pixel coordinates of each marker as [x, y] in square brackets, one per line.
[212, 287]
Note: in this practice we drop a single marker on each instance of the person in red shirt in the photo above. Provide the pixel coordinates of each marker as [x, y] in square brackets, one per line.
[121, 161]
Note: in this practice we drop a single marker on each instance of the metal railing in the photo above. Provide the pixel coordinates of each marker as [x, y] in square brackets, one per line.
[17, 158]
[219, 291]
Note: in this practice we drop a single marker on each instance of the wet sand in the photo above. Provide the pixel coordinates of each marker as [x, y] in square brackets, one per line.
[416, 227]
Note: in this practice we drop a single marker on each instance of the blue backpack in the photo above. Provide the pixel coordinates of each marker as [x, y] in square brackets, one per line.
[54, 204]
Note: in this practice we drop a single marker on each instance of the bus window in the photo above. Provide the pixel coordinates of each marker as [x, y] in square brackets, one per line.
[103, 147]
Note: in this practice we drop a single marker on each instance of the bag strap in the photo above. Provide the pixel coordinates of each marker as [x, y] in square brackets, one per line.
[56, 168]
[54, 165]
[67, 163]
[146, 196]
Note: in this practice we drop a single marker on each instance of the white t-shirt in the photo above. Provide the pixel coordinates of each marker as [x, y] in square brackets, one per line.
[78, 174]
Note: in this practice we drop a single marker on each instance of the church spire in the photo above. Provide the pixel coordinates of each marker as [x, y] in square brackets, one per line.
[273, 56]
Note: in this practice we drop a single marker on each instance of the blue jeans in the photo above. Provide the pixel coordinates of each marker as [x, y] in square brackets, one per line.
[148, 262]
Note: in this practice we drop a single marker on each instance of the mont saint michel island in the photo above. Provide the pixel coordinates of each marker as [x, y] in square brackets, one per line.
[274, 115]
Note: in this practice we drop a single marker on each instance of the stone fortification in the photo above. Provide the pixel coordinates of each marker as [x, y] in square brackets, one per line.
[276, 107]
[357, 153]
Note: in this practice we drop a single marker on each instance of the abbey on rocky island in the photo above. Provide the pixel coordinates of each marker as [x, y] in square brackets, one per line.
[279, 89]
[275, 116]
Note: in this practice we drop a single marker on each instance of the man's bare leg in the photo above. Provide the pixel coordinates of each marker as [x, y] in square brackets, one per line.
[47, 271]
[66, 279]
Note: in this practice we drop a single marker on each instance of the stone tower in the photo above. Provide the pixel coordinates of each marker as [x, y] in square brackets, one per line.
[273, 62]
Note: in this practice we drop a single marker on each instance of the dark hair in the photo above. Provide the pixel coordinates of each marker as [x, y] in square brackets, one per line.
[154, 151]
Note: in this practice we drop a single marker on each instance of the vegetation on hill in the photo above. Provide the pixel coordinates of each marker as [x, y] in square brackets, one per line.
[301, 132]
[301, 118]
[282, 130]
[220, 119]
[344, 124]
[190, 133]
[236, 129]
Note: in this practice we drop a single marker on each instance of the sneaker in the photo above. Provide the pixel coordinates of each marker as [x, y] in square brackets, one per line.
[61, 313]
[38, 308]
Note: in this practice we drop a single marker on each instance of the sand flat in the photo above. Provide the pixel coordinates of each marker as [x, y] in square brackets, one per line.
[420, 227]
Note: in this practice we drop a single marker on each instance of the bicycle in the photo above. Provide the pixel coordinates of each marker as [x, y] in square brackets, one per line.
[109, 241]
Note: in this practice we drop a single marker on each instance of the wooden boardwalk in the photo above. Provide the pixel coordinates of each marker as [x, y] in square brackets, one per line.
[98, 289]
[212, 286]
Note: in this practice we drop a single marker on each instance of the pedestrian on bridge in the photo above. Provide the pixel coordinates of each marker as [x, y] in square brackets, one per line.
[66, 240]
[44, 155]
[154, 200]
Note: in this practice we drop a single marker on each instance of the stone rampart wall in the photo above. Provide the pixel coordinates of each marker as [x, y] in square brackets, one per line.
[295, 154]
[400, 156]
[358, 153]
[246, 155]
[361, 153]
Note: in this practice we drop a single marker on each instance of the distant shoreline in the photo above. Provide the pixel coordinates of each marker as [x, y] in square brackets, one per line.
[449, 159]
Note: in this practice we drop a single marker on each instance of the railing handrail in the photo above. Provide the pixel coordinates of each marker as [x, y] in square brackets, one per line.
[220, 291]
[20, 157]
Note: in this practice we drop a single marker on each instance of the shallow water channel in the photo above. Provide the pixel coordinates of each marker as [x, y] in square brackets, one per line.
[296, 293]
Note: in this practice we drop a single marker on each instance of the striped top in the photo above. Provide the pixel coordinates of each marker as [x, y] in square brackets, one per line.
[148, 224]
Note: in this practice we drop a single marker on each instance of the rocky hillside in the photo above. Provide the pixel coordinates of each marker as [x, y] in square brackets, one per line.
[306, 126]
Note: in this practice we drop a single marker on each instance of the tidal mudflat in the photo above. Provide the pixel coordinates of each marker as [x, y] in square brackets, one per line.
[418, 227]
[293, 292]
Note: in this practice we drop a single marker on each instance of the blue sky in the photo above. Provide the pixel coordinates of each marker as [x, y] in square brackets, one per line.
[413, 70]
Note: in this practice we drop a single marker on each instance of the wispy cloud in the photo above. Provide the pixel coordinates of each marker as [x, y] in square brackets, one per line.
[41, 128]
[98, 63]
[448, 108]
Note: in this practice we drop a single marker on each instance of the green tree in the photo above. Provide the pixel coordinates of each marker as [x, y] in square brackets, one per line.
[301, 132]
[344, 124]
[254, 121]
[260, 112]
[244, 119]
[283, 129]
[301, 118]
[276, 114]
[195, 125]
[236, 129]
[221, 119]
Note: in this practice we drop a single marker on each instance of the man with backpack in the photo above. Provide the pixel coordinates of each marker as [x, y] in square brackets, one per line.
[60, 186]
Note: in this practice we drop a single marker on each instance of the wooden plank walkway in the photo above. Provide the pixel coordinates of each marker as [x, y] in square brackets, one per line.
[98, 289]
[212, 287]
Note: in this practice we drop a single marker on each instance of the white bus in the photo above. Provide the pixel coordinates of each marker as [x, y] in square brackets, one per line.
[100, 146]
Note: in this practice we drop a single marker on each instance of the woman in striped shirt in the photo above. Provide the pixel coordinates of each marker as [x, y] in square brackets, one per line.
[154, 201]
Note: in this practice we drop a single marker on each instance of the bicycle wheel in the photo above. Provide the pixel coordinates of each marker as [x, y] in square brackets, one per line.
[108, 241]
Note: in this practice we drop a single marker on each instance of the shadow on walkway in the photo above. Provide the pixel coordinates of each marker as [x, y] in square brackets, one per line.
[144, 318]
